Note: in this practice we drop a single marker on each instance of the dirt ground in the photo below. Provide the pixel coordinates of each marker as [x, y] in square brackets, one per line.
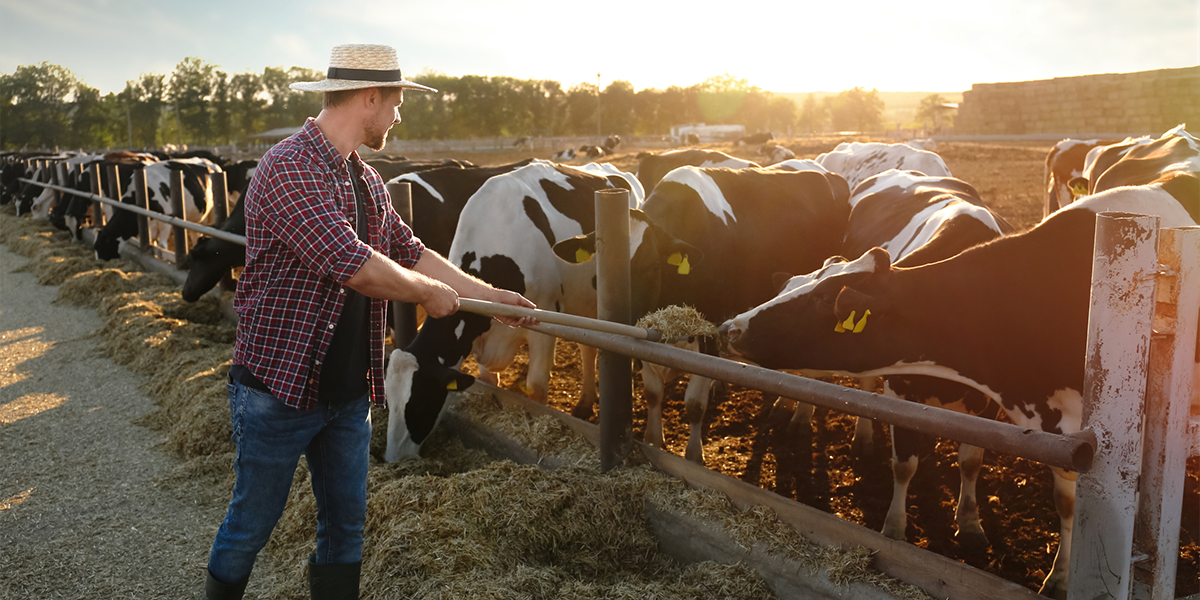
[67, 499]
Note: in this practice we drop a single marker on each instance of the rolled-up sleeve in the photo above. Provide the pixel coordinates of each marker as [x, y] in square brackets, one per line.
[304, 216]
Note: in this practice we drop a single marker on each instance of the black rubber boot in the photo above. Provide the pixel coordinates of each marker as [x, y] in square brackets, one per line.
[333, 582]
[215, 590]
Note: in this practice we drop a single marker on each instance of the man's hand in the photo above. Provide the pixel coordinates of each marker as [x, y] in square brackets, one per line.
[441, 300]
[508, 297]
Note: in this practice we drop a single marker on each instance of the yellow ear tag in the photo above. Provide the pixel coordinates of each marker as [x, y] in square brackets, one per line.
[582, 256]
[863, 323]
[837, 328]
[680, 260]
[1079, 190]
[453, 385]
[524, 388]
[846, 325]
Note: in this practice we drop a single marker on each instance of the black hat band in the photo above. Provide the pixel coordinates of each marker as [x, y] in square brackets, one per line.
[364, 74]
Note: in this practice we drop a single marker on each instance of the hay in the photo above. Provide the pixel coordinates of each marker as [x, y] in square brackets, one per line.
[675, 322]
[545, 435]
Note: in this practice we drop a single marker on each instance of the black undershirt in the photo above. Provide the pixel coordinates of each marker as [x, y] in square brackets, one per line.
[344, 372]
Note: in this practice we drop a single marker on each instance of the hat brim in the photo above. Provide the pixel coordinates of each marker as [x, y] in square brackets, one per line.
[335, 85]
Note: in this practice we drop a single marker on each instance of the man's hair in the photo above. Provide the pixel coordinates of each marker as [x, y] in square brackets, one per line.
[340, 97]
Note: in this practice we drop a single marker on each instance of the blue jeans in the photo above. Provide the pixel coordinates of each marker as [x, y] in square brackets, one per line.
[270, 438]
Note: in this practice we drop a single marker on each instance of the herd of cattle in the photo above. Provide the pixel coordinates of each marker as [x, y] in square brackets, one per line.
[871, 260]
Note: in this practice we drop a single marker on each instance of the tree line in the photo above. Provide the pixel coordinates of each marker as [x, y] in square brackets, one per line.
[46, 105]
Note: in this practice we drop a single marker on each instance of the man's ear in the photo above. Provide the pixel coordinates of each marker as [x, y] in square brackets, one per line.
[578, 249]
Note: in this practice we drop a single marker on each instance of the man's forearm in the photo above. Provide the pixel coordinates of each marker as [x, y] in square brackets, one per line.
[380, 277]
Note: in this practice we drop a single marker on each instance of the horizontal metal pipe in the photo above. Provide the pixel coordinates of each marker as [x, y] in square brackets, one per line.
[495, 309]
[1072, 451]
[209, 231]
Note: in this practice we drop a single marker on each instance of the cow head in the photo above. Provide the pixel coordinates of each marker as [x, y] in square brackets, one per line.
[660, 265]
[410, 423]
[811, 313]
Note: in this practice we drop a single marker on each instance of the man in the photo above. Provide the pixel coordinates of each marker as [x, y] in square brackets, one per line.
[324, 252]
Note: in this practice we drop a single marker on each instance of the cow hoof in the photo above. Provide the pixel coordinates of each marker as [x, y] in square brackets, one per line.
[583, 410]
[972, 541]
[1055, 587]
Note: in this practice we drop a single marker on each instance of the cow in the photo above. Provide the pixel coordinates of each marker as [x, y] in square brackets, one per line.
[1064, 163]
[690, 139]
[390, 168]
[923, 144]
[979, 318]
[212, 258]
[522, 143]
[18, 166]
[857, 161]
[75, 208]
[653, 167]
[611, 143]
[1140, 161]
[776, 154]
[505, 236]
[197, 203]
[755, 138]
[592, 151]
[698, 227]
[564, 155]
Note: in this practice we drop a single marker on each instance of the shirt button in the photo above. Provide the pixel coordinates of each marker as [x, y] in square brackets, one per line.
[312, 381]
[346, 183]
[341, 290]
[330, 326]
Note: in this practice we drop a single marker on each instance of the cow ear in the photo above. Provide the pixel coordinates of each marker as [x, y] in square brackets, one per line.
[457, 381]
[578, 249]
[852, 308]
[1078, 185]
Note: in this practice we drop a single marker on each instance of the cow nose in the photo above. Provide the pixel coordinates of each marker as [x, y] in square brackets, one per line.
[729, 331]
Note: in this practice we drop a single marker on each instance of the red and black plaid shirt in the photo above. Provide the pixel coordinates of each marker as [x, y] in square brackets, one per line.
[300, 250]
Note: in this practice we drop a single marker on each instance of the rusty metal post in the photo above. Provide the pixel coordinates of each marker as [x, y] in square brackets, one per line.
[60, 176]
[1124, 270]
[615, 371]
[141, 196]
[220, 193]
[114, 182]
[404, 314]
[1166, 447]
[177, 232]
[97, 213]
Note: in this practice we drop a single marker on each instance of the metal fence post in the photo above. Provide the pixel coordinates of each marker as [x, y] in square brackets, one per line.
[177, 232]
[60, 176]
[1124, 270]
[404, 314]
[615, 371]
[1166, 447]
[114, 183]
[141, 195]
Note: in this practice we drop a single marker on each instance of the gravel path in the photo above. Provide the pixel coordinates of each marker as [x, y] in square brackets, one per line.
[86, 507]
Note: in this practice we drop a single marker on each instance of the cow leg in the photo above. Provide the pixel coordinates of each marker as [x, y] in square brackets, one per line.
[970, 531]
[654, 379]
[801, 417]
[695, 402]
[907, 448]
[863, 443]
[1055, 585]
[587, 396]
[541, 359]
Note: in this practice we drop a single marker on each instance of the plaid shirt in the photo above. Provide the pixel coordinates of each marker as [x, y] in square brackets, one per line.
[300, 250]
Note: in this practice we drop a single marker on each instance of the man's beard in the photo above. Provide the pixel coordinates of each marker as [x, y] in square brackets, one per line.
[375, 139]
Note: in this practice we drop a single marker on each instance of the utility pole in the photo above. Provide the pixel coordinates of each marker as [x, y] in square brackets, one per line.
[598, 134]
[129, 122]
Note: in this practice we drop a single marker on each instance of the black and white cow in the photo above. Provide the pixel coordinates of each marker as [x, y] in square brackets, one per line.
[212, 258]
[698, 228]
[197, 203]
[78, 207]
[592, 151]
[390, 168]
[1065, 163]
[857, 161]
[1140, 161]
[653, 167]
[918, 220]
[755, 138]
[611, 143]
[776, 154]
[564, 155]
[978, 318]
[505, 237]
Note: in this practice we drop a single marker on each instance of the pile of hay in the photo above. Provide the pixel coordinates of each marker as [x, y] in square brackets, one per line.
[675, 322]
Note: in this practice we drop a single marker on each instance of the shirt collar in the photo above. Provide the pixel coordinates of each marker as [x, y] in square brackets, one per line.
[324, 149]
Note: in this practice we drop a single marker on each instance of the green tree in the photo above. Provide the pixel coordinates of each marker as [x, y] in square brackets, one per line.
[581, 109]
[246, 105]
[222, 108]
[302, 105]
[144, 98]
[618, 108]
[813, 115]
[932, 113]
[190, 89]
[857, 110]
[93, 122]
[35, 105]
[721, 98]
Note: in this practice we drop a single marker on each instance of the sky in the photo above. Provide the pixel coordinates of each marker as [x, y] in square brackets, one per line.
[794, 46]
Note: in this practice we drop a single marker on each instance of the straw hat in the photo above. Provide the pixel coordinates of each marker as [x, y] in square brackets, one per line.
[357, 66]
